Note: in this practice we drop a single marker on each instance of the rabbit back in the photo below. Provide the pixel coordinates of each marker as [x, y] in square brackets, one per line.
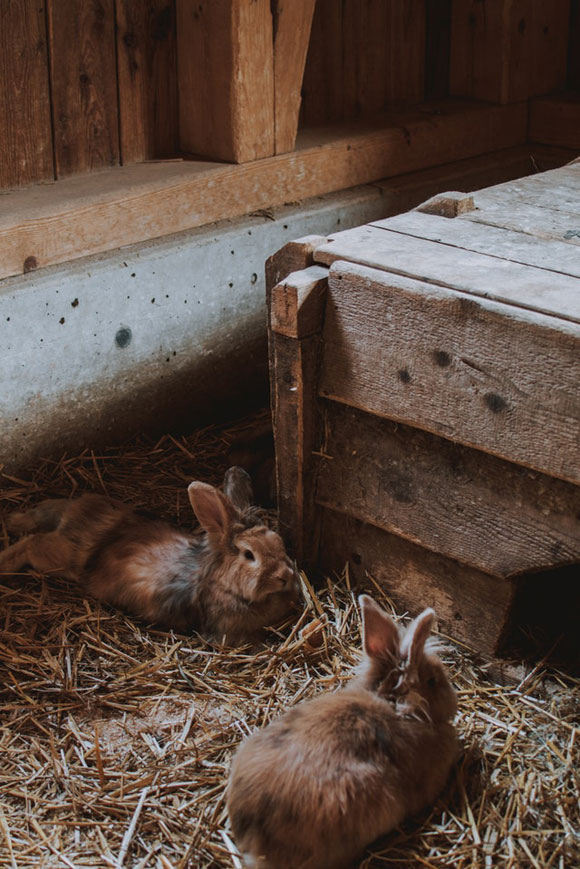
[330, 776]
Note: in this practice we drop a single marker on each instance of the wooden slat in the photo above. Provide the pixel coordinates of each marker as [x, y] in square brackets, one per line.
[493, 376]
[322, 99]
[80, 216]
[292, 25]
[455, 268]
[384, 54]
[505, 211]
[297, 305]
[437, 48]
[444, 496]
[508, 50]
[226, 79]
[83, 85]
[557, 190]
[26, 151]
[147, 72]
[554, 256]
[556, 120]
[471, 605]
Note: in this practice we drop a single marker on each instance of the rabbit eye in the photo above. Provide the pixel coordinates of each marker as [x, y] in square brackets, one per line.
[249, 554]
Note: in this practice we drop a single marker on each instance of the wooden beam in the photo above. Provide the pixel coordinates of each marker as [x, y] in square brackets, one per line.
[226, 79]
[85, 215]
[556, 120]
[147, 74]
[500, 378]
[508, 50]
[292, 25]
[26, 149]
[83, 85]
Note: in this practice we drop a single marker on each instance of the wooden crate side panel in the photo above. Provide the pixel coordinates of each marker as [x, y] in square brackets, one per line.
[508, 50]
[462, 503]
[226, 79]
[147, 71]
[487, 375]
[26, 153]
[554, 256]
[472, 607]
[457, 269]
[84, 85]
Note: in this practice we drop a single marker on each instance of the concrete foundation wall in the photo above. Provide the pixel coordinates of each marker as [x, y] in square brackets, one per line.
[166, 335]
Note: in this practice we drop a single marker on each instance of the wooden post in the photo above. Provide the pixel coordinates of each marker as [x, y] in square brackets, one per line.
[226, 79]
[292, 23]
[296, 320]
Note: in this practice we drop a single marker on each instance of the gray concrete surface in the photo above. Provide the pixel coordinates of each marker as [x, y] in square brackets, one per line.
[166, 335]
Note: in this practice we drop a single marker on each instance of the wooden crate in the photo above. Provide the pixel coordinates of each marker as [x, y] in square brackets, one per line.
[425, 378]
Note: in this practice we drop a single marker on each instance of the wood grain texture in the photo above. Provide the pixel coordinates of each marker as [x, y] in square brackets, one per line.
[297, 306]
[446, 497]
[556, 120]
[472, 606]
[496, 377]
[322, 100]
[227, 46]
[147, 73]
[25, 125]
[554, 256]
[84, 85]
[80, 216]
[477, 274]
[573, 78]
[292, 26]
[508, 50]
[437, 48]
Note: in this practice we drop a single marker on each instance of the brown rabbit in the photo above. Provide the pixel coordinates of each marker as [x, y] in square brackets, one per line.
[324, 780]
[231, 580]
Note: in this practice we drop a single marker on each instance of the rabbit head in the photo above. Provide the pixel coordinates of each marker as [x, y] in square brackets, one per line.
[403, 667]
[253, 563]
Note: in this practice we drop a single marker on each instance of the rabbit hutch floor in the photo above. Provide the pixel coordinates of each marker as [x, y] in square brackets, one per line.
[116, 738]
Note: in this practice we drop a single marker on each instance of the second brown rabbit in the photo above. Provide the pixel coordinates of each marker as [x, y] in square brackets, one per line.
[229, 581]
[331, 775]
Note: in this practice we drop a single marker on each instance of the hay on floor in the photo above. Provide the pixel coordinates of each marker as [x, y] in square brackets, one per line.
[115, 739]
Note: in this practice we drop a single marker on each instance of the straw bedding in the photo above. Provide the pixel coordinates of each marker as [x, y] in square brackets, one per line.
[115, 739]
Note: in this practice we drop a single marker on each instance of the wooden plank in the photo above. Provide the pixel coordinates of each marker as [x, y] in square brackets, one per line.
[557, 190]
[496, 377]
[556, 120]
[437, 48]
[24, 100]
[472, 607]
[322, 99]
[384, 54]
[83, 85]
[507, 212]
[446, 497]
[474, 273]
[508, 50]
[227, 45]
[147, 73]
[292, 25]
[87, 215]
[554, 256]
[573, 80]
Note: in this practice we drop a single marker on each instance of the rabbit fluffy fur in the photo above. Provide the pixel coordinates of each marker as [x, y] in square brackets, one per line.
[228, 581]
[317, 785]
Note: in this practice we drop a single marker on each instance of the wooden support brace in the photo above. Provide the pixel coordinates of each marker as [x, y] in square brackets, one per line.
[292, 23]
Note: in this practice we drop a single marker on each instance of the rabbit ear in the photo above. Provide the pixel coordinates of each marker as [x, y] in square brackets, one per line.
[416, 636]
[380, 633]
[215, 512]
[238, 487]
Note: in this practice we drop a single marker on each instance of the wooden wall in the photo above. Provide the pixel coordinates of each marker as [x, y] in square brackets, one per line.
[85, 84]
[90, 84]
